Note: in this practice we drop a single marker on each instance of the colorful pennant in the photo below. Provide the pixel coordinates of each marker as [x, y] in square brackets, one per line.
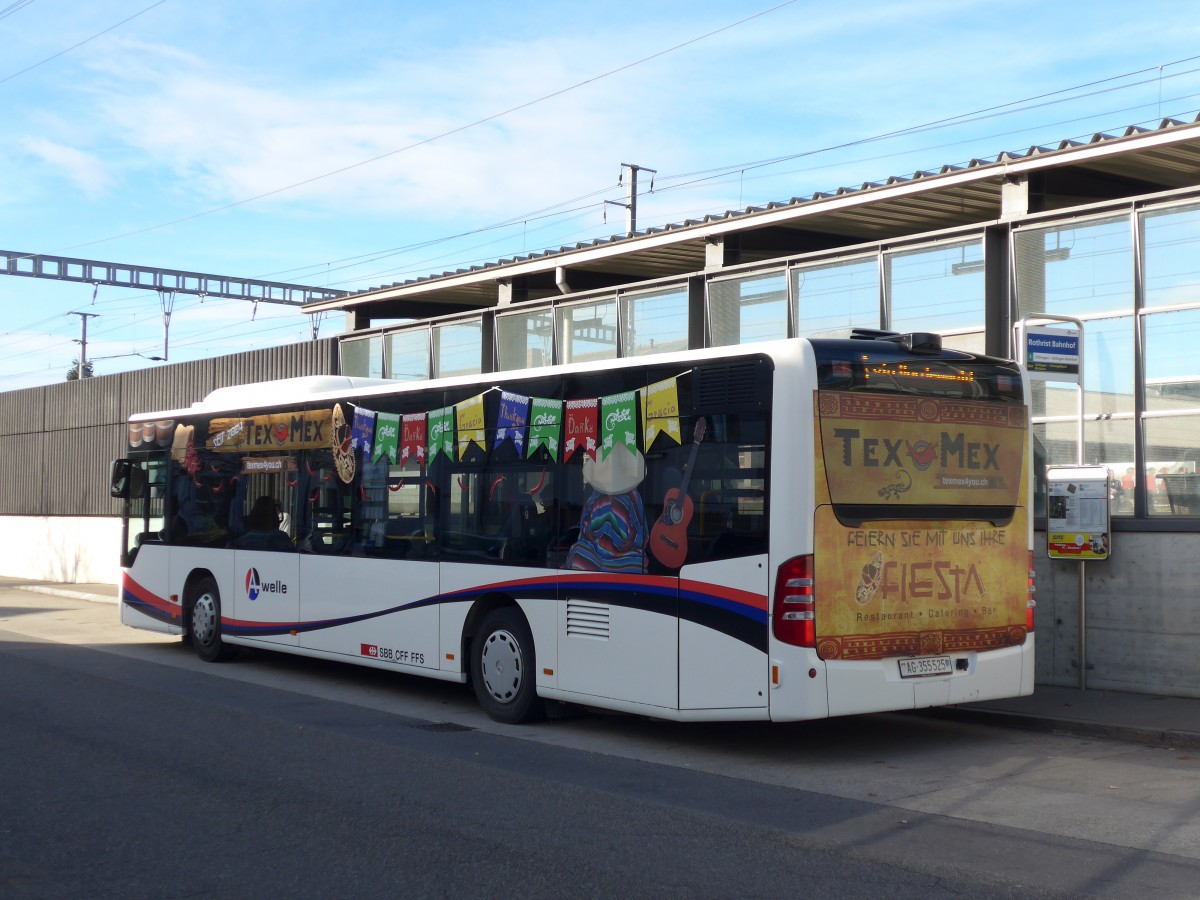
[512, 419]
[470, 425]
[581, 427]
[362, 432]
[440, 432]
[660, 411]
[618, 422]
[545, 420]
[412, 439]
[387, 434]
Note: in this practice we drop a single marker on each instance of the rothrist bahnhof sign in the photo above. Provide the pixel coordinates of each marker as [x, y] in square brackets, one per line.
[1052, 354]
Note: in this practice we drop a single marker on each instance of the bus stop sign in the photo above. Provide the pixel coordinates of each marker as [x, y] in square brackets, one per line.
[1052, 354]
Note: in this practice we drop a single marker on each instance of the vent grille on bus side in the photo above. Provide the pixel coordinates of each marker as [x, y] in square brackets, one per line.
[734, 387]
[588, 620]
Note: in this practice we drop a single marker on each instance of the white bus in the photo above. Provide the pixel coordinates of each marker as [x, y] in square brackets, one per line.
[785, 531]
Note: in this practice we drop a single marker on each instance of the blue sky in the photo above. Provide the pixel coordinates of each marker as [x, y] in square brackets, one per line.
[353, 146]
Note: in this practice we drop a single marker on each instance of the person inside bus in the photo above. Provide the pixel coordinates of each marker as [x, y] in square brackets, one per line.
[262, 528]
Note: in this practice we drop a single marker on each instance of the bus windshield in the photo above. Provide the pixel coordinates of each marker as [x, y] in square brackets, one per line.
[889, 370]
[908, 437]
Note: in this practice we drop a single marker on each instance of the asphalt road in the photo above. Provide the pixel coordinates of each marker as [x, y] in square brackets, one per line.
[129, 769]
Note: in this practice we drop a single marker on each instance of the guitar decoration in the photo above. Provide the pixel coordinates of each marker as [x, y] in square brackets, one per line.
[668, 537]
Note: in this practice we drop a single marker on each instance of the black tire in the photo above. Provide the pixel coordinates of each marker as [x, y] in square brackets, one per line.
[204, 622]
[503, 668]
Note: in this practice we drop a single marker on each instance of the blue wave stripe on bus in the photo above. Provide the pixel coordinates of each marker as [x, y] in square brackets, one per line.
[727, 603]
[147, 602]
[247, 628]
[726, 614]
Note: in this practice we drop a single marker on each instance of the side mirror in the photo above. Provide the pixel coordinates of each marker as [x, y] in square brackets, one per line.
[122, 479]
[128, 481]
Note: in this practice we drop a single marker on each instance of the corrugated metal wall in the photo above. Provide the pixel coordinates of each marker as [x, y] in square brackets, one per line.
[57, 441]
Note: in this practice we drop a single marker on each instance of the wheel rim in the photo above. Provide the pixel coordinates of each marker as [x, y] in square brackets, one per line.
[204, 619]
[503, 666]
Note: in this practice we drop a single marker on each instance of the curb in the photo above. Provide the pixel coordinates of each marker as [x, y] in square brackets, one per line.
[62, 592]
[1154, 737]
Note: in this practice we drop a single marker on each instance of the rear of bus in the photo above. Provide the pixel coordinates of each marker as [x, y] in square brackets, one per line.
[918, 590]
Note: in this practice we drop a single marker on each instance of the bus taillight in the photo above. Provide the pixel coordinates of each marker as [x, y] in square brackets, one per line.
[793, 617]
[1030, 603]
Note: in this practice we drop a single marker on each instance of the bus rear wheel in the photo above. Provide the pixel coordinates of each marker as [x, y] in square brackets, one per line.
[204, 622]
[502, 668]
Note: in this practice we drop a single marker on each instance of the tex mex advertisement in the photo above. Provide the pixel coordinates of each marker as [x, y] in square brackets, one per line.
[908, 586]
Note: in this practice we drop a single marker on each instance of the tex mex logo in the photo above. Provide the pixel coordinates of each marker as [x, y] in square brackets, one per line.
[949, 451]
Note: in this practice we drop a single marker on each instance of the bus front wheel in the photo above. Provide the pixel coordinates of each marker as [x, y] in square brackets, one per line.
[204, 622]
[502, 668]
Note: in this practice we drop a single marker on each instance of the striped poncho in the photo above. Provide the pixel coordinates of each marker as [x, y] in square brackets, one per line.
[612, 534]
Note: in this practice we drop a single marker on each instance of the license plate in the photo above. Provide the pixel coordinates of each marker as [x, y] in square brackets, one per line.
[925, 665]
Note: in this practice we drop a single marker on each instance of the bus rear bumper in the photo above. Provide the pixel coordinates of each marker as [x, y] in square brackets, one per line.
[879, 686]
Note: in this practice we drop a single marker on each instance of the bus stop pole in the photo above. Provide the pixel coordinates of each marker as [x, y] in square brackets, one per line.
[1020, 350]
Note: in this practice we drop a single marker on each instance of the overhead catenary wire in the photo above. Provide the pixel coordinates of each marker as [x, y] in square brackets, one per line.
[738, 169]
[437, 137]
[87, 40]
[718, 172]
[725, 170]
[7, 11]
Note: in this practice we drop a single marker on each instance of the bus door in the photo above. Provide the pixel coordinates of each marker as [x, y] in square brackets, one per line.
[141, 484]
[618, 627]
[724, 584]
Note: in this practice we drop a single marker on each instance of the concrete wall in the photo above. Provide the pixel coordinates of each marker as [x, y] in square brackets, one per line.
[73, 549]
[1143, 616]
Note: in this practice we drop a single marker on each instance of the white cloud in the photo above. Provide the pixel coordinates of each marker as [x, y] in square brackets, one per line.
[222, 135]
[87, 171]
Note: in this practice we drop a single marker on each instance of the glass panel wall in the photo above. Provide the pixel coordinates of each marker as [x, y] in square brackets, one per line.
[408, 354]
[748, 309]
[361, 357]
[525, 339]
[1172, 448]
[1172, 360]
[654, 323]
[588, 331]
[458, 348]
[935, 289]
[1171, 331]
[1076, 270]
[829, 299]
[1085, 270]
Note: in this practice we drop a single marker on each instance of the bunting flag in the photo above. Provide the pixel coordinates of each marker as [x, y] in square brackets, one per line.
[618, 427]
[470, 425]
[660, 411]
[529, 422]
[440, 432]
[512, 419]
[387, 433]
[412, 439]
[581, 427]
[545, 420]
[362, 432]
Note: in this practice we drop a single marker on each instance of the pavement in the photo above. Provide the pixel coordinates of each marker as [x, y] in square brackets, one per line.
[1152, 719]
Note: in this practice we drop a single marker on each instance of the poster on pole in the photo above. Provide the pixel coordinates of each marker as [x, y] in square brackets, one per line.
[1052, 354]
[1077, 515]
